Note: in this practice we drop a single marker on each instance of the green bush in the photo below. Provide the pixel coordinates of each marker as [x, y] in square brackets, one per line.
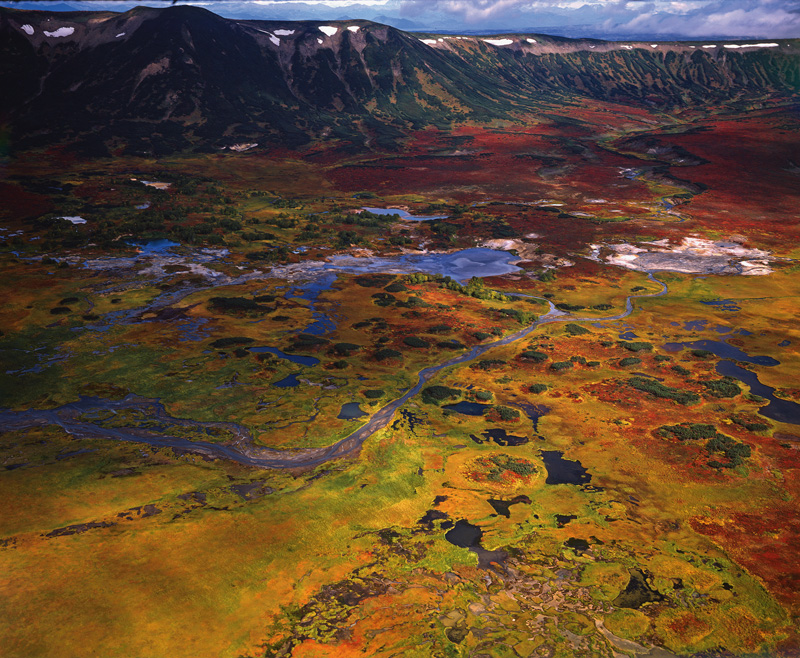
[702, 354]
[436, 394]
[506, 413]
[481, 335]
[537, 388]
[680, 370]
[386, 353]
[413, 341]
[558, 366]
[630, 361]
[750, 426]
[374, 394]
[483, 396]
[722, 388]
[662, 357]
[345, 349]
[451, 345]
[488, 364]
[688, 431]
[396, 287]
[658, 390]
[533, 355]
[735, 452]
[569, 307]
[576, 329]
[635, 346]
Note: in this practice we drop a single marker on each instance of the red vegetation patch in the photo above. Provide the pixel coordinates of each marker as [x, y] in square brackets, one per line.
[765, 543]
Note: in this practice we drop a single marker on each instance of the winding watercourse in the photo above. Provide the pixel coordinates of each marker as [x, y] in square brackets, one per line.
[71, 417]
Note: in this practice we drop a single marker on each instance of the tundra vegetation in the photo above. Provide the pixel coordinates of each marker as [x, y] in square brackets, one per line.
[674, 522]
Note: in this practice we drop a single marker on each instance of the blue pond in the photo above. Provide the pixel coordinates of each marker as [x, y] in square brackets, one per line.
[287, 382]
[404, 215]
[722, 350]
[148, 247]
[467, 408]
[724, 305]
[784, 411]
[322, 323]
[350, 411]
[294, 358]
[460, 265]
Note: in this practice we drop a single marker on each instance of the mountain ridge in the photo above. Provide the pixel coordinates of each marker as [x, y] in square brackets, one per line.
[151, 80]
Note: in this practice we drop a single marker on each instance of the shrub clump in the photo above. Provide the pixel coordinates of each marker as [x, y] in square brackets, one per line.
[374, 394]
[413, 341]
[688, 431]
[506, 414]
[436, 394]
[735, 452]
[386, 353]
[702, 354]
[483, 396]
[451, 345]
[749, 425]
[533, 355]
[488, 364]
[576, 330]
[537, 388]
[680, 370]
[558, 366]
[345, 349]
[396, 287]
[635, 346]
[658, 390]
[630, 361]
[722, 388]
[481, 335]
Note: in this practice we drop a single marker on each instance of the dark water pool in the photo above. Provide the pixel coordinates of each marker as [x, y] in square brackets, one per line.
[404, 214]
[294, 358]
[723, 350]
[287, 382]
[351, 411]
[146, 247]
[467, 408]
[784, 411]
[563, 471]
[464, 535]
[500, 437]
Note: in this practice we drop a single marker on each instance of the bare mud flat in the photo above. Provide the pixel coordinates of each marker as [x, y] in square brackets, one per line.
[692, 256]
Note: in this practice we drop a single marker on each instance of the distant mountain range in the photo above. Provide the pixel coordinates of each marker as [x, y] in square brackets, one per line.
[164, 80]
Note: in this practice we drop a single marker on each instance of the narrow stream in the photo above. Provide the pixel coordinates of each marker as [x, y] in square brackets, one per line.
[242, 449]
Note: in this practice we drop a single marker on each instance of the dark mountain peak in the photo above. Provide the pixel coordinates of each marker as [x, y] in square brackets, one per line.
[183, 77]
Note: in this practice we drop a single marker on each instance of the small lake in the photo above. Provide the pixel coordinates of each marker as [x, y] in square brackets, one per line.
[467, 408]
[404, 214]
[153, 247]
[563, 471]
[287, 382]
[722, 350]
[294, 358]
[351, 411]
[459, 265]
[500, 437]
[784, 411]
[464, 535]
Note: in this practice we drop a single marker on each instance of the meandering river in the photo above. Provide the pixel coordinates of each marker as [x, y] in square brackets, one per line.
[73, 419]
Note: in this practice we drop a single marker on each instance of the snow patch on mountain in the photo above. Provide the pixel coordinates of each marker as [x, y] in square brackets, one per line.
[60, 32]
[330, 30]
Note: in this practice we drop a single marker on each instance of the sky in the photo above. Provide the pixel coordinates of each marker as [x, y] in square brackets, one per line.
[634, 19]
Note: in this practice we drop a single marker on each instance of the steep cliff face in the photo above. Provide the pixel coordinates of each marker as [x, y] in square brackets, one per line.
[183, 77]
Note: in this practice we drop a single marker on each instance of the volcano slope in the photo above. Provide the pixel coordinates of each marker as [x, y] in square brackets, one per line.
[207, 285]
